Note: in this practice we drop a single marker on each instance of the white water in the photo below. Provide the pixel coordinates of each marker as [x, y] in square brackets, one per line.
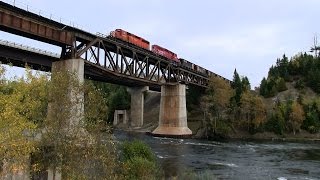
[236, 160]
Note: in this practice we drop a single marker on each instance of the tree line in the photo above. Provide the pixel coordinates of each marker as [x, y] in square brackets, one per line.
[294, 113]
[303, 70]
[35, 134]
[228, 108]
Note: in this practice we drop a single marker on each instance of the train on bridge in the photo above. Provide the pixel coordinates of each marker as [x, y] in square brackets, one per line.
[160, 51]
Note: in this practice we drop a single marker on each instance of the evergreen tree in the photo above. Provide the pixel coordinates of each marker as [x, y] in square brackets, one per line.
[283, 67]
[264, 87]
[281, 85]
[314, 79]
[312, 119]
[245, 84]
[237, 85]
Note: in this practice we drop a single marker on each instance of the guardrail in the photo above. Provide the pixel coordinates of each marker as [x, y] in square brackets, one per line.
[25, 6]
[28, 48]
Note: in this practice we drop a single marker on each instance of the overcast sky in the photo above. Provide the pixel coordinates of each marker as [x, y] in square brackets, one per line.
[248, 35]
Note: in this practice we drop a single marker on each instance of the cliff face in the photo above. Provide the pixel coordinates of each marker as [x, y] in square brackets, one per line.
[291, 93]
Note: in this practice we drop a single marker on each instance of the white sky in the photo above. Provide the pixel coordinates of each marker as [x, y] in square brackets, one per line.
[248, 35]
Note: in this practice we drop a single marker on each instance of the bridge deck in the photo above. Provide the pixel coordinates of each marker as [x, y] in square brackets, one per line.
[107, 59]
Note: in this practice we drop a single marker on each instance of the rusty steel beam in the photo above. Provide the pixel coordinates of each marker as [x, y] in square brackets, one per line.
[110, 54]
[24, 57]
[19, 25]
[124, 61]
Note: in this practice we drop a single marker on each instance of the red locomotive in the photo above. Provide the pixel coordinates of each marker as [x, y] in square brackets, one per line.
[130, 38]
[165, 53]
[158, 50]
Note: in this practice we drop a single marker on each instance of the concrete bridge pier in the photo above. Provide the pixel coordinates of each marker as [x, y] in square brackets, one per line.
[137, 101]
[173, 112]
[74, 70]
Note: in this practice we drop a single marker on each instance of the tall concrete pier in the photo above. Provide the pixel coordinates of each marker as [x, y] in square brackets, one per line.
[137, 101]
[173, 111]
[73, 69]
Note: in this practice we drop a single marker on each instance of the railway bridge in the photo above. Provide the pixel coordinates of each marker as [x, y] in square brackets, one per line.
[102, 58]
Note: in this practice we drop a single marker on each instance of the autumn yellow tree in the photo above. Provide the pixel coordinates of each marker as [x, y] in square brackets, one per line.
[259, 112]
[215, 102]
[73, 142]
[22, 109]
[296, 116]
[253, 111]
[245, 109]
[35, 128]
[27, 133]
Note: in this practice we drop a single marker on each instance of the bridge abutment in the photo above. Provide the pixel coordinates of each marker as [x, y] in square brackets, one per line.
[137, 105]
[173, 112]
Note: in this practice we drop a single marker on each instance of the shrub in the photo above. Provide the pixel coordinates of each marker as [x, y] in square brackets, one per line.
[275, 124]
[311, 123]
[192, 175]
[139, 162]
[140, 168]
[130, 150]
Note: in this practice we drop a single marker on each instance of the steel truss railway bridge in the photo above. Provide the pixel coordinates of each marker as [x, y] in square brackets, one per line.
[102, 58]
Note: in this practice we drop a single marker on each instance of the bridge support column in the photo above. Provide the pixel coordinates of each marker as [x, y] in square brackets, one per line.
[137, 101]
[173, 112]
[71, 75]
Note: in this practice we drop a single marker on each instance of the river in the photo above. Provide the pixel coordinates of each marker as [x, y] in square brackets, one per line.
[234, 160]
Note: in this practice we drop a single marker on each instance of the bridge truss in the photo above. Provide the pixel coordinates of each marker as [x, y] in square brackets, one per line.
[105, 57]
[125, 60]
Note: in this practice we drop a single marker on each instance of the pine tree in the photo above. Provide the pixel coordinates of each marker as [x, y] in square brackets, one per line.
[281, 85]
[264, 87]
[237, 85]
[245, 84]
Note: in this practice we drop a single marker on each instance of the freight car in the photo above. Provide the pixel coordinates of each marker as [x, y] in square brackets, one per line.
[200, 69]
[165, 53]
[186, 64]
[161, 51]
[130, 38]
[211, 74]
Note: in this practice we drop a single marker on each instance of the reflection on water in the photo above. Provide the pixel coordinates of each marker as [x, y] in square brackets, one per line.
[234, 160]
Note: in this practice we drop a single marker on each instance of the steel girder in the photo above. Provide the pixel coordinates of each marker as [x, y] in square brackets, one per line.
[126, 60]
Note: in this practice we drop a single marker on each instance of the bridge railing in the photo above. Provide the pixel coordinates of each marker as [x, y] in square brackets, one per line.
[25, 6]
[28, 48]
[101, 35]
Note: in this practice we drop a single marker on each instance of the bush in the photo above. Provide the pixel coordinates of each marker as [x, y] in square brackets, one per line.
[140, 168]
[191, 175]
[223, 128]
[275, 124]
[299, 84]
[311, 123]
[139, 162]
[131, 150]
